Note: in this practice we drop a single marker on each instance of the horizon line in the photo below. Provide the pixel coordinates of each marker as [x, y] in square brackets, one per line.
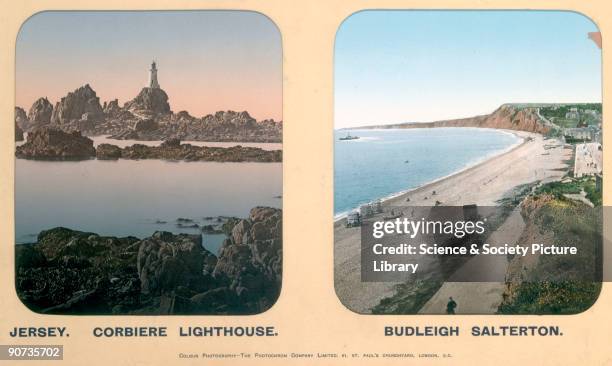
[374, 124]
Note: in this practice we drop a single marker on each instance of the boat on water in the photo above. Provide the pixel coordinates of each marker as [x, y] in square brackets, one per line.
[349, 137]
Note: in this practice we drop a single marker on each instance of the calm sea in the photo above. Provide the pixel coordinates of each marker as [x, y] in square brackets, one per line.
[129, 197]
[388, 161]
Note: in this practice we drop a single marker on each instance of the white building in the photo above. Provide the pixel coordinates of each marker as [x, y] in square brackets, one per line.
[572, 114]
[153, 77]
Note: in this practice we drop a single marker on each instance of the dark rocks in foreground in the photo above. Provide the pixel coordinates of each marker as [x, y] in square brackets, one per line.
[74, 272]
[46, 143]
[172, 149]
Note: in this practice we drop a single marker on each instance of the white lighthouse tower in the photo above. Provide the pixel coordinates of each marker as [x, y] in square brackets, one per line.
[153, 77]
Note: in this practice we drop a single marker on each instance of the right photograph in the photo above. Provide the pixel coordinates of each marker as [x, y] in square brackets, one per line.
[468, 162]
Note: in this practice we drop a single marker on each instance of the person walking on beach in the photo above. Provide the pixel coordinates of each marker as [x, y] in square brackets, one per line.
[450, 307]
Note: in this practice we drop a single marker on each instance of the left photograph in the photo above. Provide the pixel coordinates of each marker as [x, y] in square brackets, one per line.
[148, 163]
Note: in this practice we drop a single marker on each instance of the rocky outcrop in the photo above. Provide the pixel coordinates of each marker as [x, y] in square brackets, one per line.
[508, 116]
[172, 149]
[222, 126]
[47, 143]
[148, 117]
[21, 118]
[18, 133]
[74, 272]
[21, 123]
[40, 112]
[108, 152]
[81, 104]
[112, 108]
[182, 117]
[251, 258]
[152, 100]
[145, 125]
[166, 261]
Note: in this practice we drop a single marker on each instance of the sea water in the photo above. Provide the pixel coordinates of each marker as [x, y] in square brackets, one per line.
[138, 197]
[385, 162]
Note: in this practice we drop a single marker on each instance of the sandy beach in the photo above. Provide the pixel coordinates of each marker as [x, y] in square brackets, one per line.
[535, 159]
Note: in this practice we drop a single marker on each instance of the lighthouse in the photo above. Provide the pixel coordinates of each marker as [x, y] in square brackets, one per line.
[153, 77]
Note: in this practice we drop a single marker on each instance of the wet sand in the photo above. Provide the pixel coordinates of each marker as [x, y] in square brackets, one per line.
[536, 159]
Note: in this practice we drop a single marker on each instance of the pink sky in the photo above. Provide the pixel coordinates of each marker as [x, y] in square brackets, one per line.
[207, 60]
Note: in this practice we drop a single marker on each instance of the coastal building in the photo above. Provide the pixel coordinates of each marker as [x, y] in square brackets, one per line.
[353, 219]
[579, 133]
[366, 210]
[572, 114]
[377, 206]
[588, 159]
[596, 135]
[153, 76]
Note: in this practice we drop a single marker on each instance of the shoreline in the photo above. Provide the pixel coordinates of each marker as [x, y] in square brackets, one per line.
[536, 159]
[522, 140]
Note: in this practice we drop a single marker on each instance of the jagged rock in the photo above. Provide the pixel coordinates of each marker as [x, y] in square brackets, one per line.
[128, 134]
[40, 112]
[153, 100]
[74, 272]
[240, 233]
[166, 261]
[69, 271]
[171, 142]
[112, 108]
[222, 126]
[182, 117]
[50, 143]
[108, 152]
[251, 258]
[76, 104]
[21, 119]
[18, 133]
[145, 125]
[173, 150]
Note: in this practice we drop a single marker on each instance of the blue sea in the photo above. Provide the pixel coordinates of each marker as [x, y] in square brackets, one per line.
[385, 162]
